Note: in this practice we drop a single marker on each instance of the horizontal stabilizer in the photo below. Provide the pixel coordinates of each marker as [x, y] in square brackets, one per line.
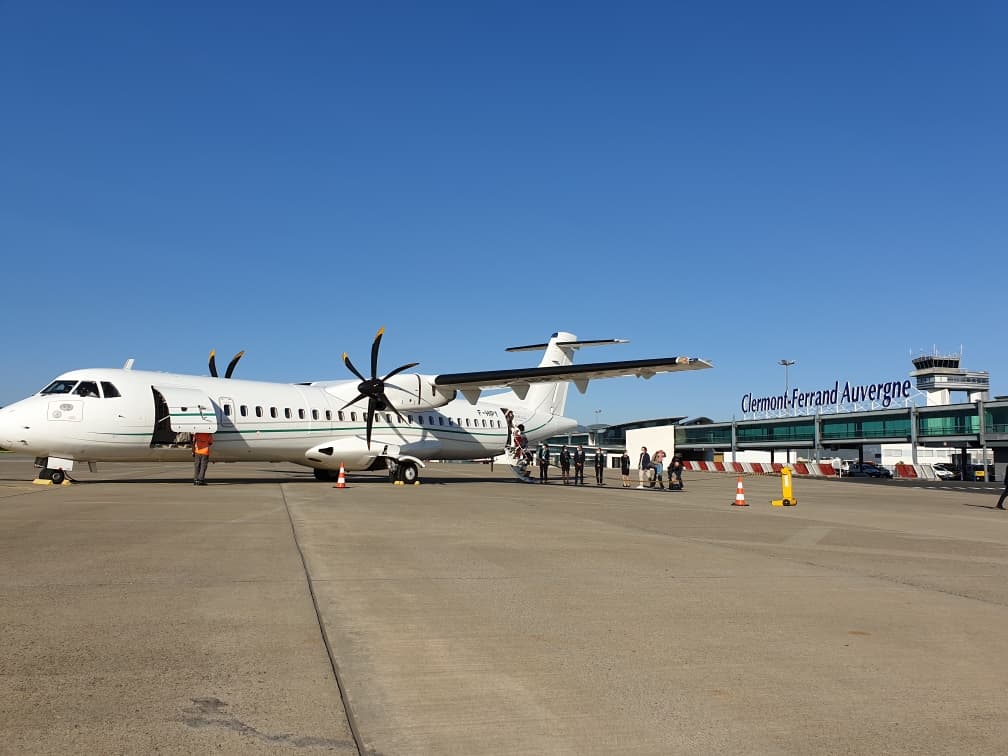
[487, 379]
[572, 344]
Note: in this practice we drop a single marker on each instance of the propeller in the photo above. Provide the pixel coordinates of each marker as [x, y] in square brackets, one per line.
[373, 388]
[230, 367]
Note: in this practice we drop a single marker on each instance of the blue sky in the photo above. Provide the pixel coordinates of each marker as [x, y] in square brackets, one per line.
[743, 182]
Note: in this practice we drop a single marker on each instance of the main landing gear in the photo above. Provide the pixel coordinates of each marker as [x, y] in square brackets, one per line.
[405, 472]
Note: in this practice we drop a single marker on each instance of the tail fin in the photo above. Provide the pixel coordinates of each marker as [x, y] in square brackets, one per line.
[552, 397]
[549, 397]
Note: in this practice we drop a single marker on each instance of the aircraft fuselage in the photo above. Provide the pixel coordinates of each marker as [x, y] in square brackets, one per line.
[128, 419]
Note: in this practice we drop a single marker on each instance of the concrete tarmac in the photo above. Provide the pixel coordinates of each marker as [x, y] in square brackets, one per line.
[473, 614]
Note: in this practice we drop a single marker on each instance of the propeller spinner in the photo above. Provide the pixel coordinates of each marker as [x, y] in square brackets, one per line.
[373, 388]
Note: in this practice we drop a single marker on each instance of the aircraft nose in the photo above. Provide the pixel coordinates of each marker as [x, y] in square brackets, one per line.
[12, 431]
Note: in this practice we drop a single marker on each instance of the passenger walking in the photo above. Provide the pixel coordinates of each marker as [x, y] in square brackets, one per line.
[543, 456]
[643, 467]
[201, 443]
[565, 460]
[599, 466]
[1000, 504]
[579, 463]
[624, 468]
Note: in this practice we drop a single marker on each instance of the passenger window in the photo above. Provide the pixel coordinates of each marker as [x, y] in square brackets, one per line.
[87, 388]
[314, 414]
[300, 414]
[339, 414]
[467, 422]
[227, 410]
[273, 412]
[353, 417]
[110, 391]
[440, 420]
[419, 419]
[328, 414]
[484, 423]
[259, 411]
[388, 418]
[243, 410]
[287, 413]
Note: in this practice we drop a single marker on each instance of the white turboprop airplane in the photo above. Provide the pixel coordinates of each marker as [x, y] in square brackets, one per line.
[397, 422]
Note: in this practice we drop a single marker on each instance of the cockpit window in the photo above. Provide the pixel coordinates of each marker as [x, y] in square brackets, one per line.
[87, 388]
[110, 391]
[59, 387]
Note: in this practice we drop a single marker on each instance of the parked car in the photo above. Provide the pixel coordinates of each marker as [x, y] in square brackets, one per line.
[867, 470]
[945, 471]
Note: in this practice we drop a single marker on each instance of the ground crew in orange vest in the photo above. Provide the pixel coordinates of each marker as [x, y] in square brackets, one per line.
[201, 456]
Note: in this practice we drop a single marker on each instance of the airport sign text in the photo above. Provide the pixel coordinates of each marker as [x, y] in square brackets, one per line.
[884, 393]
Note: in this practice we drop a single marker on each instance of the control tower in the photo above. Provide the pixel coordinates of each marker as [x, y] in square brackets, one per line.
[939, 375]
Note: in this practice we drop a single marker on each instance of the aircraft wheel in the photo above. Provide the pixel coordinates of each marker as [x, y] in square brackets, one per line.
[322, 474]
[57, 477]
[408, 472]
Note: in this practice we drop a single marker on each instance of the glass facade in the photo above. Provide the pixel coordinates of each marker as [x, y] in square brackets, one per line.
[935, 425]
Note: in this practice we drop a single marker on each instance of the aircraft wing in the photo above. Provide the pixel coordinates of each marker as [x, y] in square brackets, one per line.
[519, 380]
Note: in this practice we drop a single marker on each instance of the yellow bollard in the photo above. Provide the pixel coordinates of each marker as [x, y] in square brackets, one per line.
[787, 498]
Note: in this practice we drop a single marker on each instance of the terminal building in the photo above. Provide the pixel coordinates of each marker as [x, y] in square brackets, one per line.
[888, 423]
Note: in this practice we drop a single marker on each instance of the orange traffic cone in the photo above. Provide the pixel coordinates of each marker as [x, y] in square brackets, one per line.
[341, 480]
[739, 495]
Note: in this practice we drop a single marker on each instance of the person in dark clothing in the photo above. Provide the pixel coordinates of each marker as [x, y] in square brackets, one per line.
[543, 457]
[624, 468]
[565, 460]
[1004, 494]
[579, 463]
[643, 467]
[599, 467]
[676, 469]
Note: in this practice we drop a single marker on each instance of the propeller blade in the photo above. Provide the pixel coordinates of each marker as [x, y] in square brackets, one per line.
[374, 352]
[389, 405]
[213, 363]
[370, 420]
[355, 371]
[399, 370]
[359, 396]
[231, 365]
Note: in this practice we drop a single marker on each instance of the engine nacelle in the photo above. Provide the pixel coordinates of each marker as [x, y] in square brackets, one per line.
[411, 392]
[408, 392]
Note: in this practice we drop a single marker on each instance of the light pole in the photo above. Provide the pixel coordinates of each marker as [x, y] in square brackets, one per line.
[597, 413]
[787, 387]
